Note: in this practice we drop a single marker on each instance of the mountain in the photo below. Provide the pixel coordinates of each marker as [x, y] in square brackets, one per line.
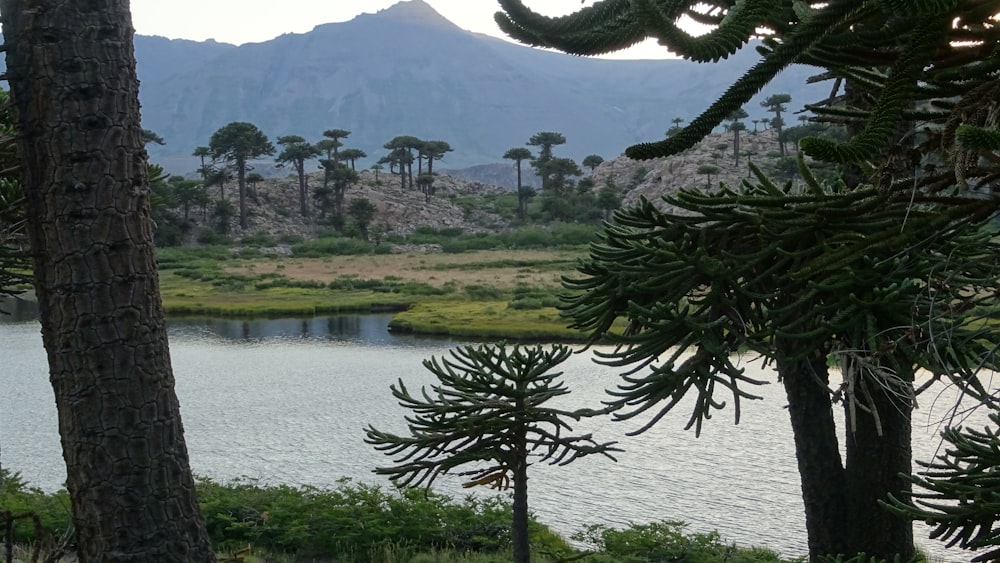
[407, 70]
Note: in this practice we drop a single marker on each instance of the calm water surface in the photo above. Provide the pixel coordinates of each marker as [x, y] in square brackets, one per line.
[286, 401]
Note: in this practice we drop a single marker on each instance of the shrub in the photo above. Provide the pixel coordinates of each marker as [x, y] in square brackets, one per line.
[483, 293]
[207, 235]
[258, 239]
[350, 522]
[665, 541]
[331, 246]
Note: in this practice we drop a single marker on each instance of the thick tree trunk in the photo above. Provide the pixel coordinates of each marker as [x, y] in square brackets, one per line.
[817, 451]
[874, 463]
[71, 70]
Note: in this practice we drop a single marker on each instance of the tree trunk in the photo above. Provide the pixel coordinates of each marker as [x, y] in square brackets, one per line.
[519, 525]
[241, 180]
[874, 464]
[300, 167]
[71, 69]
[817, 451]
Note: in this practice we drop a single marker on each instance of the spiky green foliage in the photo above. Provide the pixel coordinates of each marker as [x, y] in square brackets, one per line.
[700, 286]
[14, 257]
[488, 411]
[918, 55]
[961, 496]
[488, 399]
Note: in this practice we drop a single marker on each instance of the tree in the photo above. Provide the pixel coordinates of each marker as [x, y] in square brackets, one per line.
[405, 144]
[362, 211]
[398, 157]
[708, 170]
[343, 178]
[776, 104]
[352, 156]
[187, 193]
[296, 151]
[959, 491]
[609, 198]
[376, 168]
[735, 126]
[893, 65]
[675, 126]
[545, 140]
[487, 409]
[518, 155]
[592, 161]
[560, 169]
[239, 142]
[434, 150]
[14, 255]
[71, 70]
[253, 179]
[426, 184]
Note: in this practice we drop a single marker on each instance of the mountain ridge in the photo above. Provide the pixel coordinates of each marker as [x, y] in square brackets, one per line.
[481, 94]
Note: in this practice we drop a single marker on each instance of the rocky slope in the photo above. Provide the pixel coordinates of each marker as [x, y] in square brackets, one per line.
[655, 178]
[275, 211]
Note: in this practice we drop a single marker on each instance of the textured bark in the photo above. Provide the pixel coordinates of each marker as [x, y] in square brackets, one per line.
[519, 524]
[874, 464]
[817, 452]
[71, 70]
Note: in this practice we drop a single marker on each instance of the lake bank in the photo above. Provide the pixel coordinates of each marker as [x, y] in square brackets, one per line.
[488, 294]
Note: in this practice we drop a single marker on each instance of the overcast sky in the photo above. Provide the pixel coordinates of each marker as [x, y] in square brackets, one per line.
[250, 21]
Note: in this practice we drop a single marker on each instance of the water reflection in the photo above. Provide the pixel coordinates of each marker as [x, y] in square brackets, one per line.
[18, 309]
[286, 400]
[337, 328]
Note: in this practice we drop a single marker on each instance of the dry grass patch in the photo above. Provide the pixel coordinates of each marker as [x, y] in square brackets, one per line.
[494, 268]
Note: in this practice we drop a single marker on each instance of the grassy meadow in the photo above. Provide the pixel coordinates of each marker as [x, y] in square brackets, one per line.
[488, 293]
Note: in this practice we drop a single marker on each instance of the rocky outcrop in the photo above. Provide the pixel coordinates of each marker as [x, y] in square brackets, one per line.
[652, 179]
[275, 209]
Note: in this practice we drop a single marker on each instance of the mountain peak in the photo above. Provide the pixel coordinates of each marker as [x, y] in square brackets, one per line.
[415, 11]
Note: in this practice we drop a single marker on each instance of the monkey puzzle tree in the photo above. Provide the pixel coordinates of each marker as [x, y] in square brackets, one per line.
[14, 256]
[362, 211]
[352, 156]
[434, 150]
[776, 105]
[545, 140]
[913, 61]
[734, 126]
[487, 411]
[71, 70]
[519, 155]
[592, 161]
[296, 151]
[237, 143]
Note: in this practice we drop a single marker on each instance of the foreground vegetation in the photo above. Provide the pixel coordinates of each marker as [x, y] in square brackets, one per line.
[356, 522]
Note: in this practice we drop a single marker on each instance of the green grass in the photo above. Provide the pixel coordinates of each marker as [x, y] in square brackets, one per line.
[200, 281]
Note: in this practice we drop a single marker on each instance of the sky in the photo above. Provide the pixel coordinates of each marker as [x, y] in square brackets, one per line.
[252, 21]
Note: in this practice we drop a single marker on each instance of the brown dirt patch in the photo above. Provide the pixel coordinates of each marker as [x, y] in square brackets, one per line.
[536, 267]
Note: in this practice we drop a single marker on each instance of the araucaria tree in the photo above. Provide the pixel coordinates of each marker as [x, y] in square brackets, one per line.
[545, 140]
[238, 143]
[71, 70]
[884, 271]
[519, 155]
[488, 412]
[296, 151]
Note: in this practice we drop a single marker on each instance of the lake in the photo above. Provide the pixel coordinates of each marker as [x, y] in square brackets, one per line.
[286, 401]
